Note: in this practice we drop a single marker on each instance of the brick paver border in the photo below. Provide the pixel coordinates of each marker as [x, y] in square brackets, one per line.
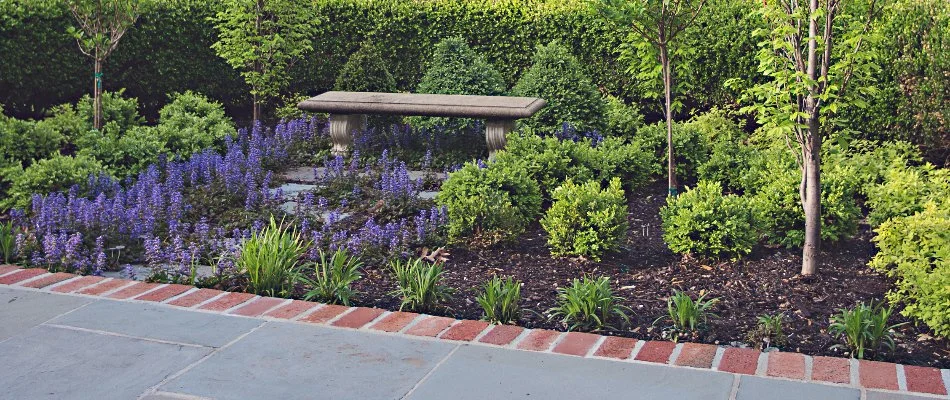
[783, 365]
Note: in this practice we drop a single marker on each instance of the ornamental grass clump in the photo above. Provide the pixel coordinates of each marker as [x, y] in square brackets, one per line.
[333, 277]
[589, 304]
[7, 241]
[769, 332]
[270, 258]
[863, 328]
[687, 316]
[420, 285]
[500, 300]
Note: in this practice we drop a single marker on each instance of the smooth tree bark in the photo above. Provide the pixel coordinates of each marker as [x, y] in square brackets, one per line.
[658, 22]
[102, 23]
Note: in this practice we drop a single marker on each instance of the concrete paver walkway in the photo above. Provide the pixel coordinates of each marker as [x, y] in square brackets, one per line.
[62, 346]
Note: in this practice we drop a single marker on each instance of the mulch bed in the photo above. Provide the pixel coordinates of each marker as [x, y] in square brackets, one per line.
[645, 273]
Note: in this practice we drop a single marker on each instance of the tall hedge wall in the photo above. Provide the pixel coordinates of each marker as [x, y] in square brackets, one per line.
[168, 49]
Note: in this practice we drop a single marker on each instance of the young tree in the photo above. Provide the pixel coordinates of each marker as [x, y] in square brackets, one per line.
[812, 51]
[657, 22]
[102, 23]
[264, 38]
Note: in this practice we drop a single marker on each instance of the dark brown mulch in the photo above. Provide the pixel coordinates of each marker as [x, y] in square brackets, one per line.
[645, 273]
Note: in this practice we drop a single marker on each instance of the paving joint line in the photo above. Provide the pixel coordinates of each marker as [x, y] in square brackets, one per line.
[431, 371]
[901, 379]
[636, 349]
[169, 378]
[279, 305]
[517, 340]
[62, 283]
[117, 334]
[306, 313]
[675, 354]
[28, 280]
[228, 311]
[593, 349]
[178, 296]
[735, 387]
[717, 358]
[762, 364]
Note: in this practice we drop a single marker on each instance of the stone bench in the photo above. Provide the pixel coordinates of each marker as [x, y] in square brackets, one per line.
[348, 112]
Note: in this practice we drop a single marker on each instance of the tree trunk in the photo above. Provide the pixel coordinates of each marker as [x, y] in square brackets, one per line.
[668, 91]
[812, 201]
[97, 93]
[256, 108]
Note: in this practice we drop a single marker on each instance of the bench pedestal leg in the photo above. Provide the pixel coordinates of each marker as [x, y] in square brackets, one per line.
[341, 131]
[495, 132]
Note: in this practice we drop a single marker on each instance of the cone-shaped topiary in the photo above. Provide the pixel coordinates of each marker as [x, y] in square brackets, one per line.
[457, 69]
[365, 71]
[557, 77]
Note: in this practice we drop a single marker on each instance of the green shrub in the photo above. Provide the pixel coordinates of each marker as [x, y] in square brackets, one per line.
[705, 222]
[455, 68]
[7, 242]
[55, 174]
[589, 304]
[491, 203]
[332, 277]
[191, 123]
[365, 71]
[551, 161]
[270, 258]
[572, 98]
[916, 251]
[115, 108]
[687, 316]
[125, 154]
[623, 120]
[691, 148]
[867, 162]
[500, 300]
[585, 220]
[863, 328]
[419, 285]
[905, 190]
[728, 152]
[24, 142]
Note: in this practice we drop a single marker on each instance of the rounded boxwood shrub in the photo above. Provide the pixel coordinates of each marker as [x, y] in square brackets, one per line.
[124, 154]
[24, 142]
[54, 174]
[705, 222]
[457, 69]
[489, 203]
[691, 148]
[124, 111]
[622, 120]
[365, 71]
[191, 123]
[914, 249]
[557, 77]
[585, 220]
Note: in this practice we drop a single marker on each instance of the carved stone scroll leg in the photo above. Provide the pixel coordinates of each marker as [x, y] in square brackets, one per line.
[495, 134]
[341, 131]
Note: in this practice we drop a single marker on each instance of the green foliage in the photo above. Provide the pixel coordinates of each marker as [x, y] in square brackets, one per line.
[551, 161]
[705, 222]
[728, 153]
[905, 190]
[491, 203]
[55, 174]
[688, 316]
[263, 38]
[589, 304]
[867, 162]
[585, 220]
[863, 328]
[916, 251]
[769, 332]
[365, 71]
[419, 284]
[691, 148]
[556, 77]
[124, 111]
[7, 242]
[191, 123]
[622, 120]
[455, 68]
[124, 154]
[270, 258]
[23, 142]
[332, 277]
[500, 300]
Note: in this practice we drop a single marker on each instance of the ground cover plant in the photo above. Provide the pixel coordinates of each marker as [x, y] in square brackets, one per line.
[571, 227]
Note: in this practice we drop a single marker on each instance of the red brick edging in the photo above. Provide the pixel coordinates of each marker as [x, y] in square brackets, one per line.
[849, 372]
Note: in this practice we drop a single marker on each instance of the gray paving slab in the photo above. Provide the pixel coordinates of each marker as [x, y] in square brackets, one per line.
[159, 322]
[57, 363]
[22, 309]
[477, 372]
[878, 395]
[294, 361]
[753, 387]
